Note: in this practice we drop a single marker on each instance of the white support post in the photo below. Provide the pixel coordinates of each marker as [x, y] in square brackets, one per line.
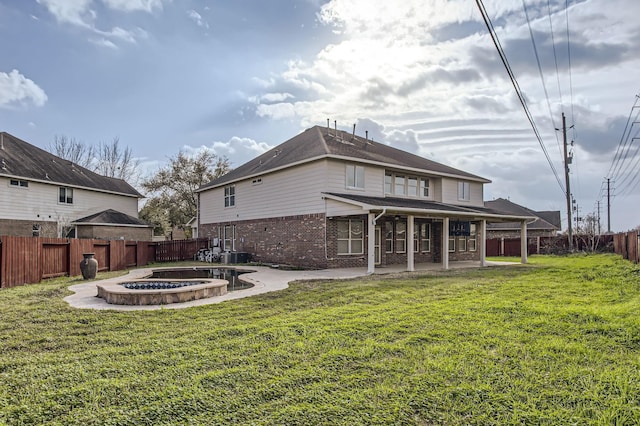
[371, 243]
[483, 242]
[445, 243]
[410, 236]
[523, 241]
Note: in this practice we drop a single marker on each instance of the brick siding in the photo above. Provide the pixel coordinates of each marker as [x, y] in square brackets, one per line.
[24, 228]
[300, 241]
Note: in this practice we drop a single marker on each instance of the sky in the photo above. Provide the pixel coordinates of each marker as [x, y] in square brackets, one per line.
[240, 77]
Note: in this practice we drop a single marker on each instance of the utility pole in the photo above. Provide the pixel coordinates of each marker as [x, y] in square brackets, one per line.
[608, 206]
[599, 229]
[567, 161]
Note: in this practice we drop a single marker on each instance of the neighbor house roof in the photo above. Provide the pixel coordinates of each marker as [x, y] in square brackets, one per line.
[322, 142]
[546, 220]
[111, 217]
[23, 160]
[409, 206]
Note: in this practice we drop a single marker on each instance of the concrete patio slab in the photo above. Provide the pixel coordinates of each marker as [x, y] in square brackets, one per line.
[264, 280]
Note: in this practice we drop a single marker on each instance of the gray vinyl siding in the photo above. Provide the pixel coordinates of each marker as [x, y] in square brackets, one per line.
[450, 193]
[39, 202]
[293, 191]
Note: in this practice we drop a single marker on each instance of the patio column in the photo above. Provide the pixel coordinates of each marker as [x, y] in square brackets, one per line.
[410, 236]
[371, 243]
[483, 243]
[445, 243]
[523, 241]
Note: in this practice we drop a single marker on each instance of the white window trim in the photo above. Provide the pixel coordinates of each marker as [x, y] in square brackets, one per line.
[352, 171]
[462, 244]
[350, 239]
[229, 199]
[428, 240]
[452, 244]
[390, 188]
[20, 183]
[403, 239]
[66, 196]
[464, 191]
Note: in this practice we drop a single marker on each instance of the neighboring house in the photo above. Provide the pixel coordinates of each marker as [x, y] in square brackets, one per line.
[545, 224]
[328, 199]
[193, 224]
[46, 196]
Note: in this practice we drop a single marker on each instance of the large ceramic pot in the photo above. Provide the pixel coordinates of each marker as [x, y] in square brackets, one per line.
[89, 266]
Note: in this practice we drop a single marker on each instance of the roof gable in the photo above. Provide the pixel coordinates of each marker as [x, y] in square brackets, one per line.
[321, 142]
[21, 159]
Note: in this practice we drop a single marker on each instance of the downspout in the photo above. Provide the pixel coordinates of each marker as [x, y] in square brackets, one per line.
[375, 219]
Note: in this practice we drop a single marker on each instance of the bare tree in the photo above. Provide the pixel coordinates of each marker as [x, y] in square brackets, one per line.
[115, 161]
[73, 150]
[108, 158]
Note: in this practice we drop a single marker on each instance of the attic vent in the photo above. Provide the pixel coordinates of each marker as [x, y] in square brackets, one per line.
[4, 165]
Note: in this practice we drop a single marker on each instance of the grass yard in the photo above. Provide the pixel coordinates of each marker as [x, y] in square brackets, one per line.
[555, 342]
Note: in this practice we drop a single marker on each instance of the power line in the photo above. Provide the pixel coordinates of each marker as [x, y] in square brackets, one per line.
[566, 12]
[621, 145]
[544, 85]
[516, 86]
[555, 57]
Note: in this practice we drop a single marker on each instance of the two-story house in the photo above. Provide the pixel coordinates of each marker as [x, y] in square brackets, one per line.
[327, 198]
[44, 195]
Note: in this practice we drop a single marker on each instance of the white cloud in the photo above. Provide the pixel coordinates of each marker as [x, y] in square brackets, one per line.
[134, 5]
[277, 111]
[197, 18]
[104, 43]
[75, 12]
[237, 150]
[80, 13]
[16, 88]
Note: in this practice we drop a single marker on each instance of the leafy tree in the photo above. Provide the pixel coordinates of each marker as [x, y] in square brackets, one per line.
[174, 201]
[107, 159]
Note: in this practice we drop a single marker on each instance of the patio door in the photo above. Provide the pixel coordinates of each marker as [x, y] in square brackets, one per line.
[376, 248]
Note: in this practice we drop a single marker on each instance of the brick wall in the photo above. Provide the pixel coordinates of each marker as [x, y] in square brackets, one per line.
[292, 240]
[24, 228]
[300, 241]
[115, 233]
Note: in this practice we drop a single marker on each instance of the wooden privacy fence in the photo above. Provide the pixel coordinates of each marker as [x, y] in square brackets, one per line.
[548, 245]
[26, 260]
[627, 244]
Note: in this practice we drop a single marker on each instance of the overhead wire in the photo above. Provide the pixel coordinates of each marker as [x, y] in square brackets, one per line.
[544, 85]
[516, 86]
[617, 158]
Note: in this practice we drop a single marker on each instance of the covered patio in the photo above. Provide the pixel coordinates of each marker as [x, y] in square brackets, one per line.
[447, 218]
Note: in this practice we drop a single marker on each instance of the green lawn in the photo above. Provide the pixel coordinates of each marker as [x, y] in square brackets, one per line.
[554, 342]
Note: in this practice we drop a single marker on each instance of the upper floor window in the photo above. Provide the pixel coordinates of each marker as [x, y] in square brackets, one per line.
[230, 196]
[19, 183]
[398, 187]
[355, 176]
[65, 195]
[401, 185]
[424, 187]
[464, 191]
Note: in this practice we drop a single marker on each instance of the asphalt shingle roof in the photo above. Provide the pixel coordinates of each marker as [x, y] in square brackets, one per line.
[541, 222]
[21, 159]
[409, 203]
[111, 217]
[322, 142]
